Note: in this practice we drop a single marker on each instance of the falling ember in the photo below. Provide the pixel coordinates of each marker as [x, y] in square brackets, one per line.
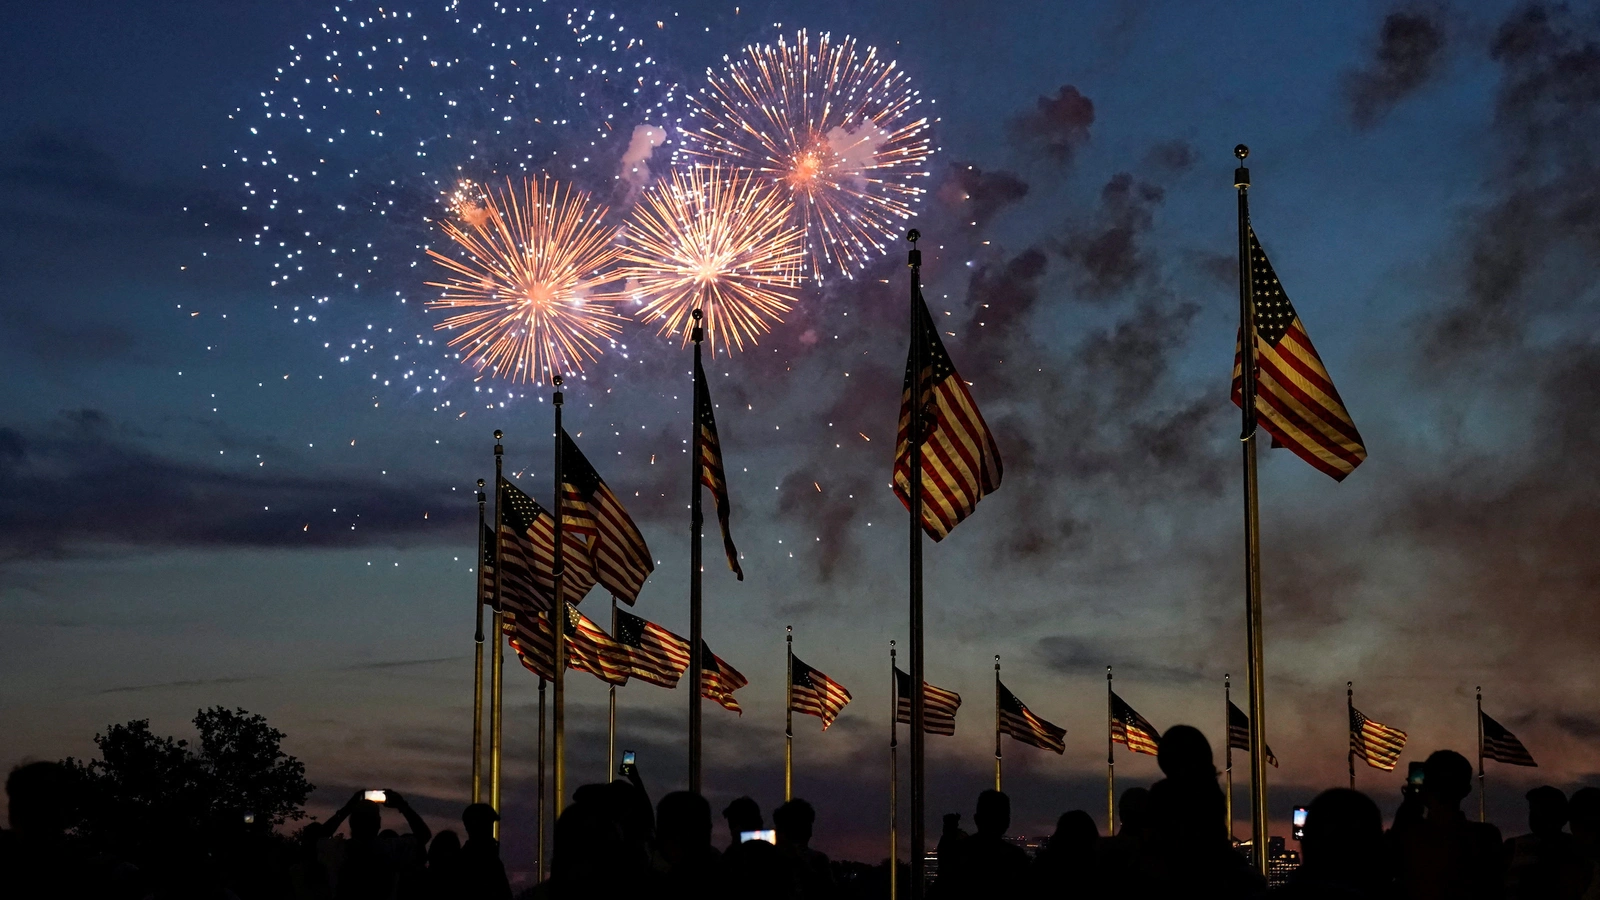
[530, 282]
[717, 240]
[837, 128]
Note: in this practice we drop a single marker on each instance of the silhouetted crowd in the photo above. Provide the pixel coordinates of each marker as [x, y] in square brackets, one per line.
[1173, 841]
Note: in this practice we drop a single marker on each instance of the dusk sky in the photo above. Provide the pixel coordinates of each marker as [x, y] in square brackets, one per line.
[218, 486]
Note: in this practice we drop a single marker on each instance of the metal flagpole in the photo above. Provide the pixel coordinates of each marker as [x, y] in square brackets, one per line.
[788, 714]
[539, 851]
[1252, 525]
[1111, 764]
[1227, 741]
[497, 663]
[997, 757]
[611, 708]
[1480, 753]
[1350, 716]
[696, 528]
[914, 429]
[894, 777]
[558, 622]
[477, 663]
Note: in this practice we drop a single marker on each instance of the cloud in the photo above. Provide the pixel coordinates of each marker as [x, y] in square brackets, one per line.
[855, 151]
[1107, 254]
[1059, 125]
[977, 196]
[86, 480]
[635, 165]
[1407, 56]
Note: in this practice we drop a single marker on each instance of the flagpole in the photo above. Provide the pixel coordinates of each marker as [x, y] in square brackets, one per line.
[894, 776]
[1227, 741]
[477, 662]
[539, 851]
[788, 716]
[558, 623]
[696, 528]
[611, 711]
[914, 429]
[1111, 764]
[1480, 753]
[1252, 526]
[997, 757]
[1350, 716]
[497, 663]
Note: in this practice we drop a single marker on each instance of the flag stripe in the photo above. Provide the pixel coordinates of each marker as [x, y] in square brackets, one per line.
[1375, 742]
[960, 462]
[712, 474]
[815, 694]
[939, 706]
[718, 680]
[1239, 733]
[1501, 745]
[1020, 722]
[1131, 729]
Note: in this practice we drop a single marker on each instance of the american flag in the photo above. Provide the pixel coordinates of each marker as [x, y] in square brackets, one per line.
[656, 655]
[1501, 745]
[814, 693]
[718, 680]
[960, 462]
[1020, 722]
[711, 471]
[1295, 399]
[528, 546]
[589, 648]
[938, 705]
[622, 562]
[1378, 744]
[1239, 732]
[1130, 729]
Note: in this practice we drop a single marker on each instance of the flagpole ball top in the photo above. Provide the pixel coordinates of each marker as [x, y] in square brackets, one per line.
[1241, 151]
[696, 314]
[913, 235]
[480, 482]
[556, 380]
[498, 434]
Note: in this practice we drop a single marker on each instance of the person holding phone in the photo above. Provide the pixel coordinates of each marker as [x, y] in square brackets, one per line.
[1438, 852]
[371, 870]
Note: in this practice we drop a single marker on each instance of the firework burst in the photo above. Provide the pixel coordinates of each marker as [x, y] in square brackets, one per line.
[530, 288]
[718, 240]
[838, 129]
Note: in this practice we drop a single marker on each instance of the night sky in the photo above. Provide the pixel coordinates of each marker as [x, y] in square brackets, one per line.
[213, 492]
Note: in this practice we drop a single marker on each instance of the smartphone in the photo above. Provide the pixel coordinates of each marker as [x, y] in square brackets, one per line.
[249, 818]
[1414, 773]
[376, 796]
[627, 763]
[1299, 823]
[768, 835]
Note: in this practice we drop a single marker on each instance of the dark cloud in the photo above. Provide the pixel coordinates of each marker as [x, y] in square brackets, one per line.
[1076, 656]
[1107, 255]
[1172, 156]
[1582, 727]
[1058, 126]
[1407, 55]
[84, 481]
[976, 196]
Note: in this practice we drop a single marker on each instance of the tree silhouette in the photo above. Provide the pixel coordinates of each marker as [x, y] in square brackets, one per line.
[147, 792]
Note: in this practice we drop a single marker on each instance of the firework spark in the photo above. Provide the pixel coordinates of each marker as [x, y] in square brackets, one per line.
[532, 281]
[839, 129]
[715, 239]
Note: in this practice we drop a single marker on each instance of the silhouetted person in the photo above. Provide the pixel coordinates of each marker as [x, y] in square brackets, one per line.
[1124, 851]
[749, 869]
[1584, 812]
[809, 870]
[1438, 854]
[1189, 849]
[482, 876]
[1066, 865]
[587, 844]
[985, 864]
[1545, 863]
[374, 863]
[950, 839]
[442, 881]
[1343, 847]
[36, 857]
[683, 845]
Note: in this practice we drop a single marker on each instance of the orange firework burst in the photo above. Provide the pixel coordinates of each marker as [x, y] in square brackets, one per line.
[530, 283]
[717, 240]
[839, 130]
